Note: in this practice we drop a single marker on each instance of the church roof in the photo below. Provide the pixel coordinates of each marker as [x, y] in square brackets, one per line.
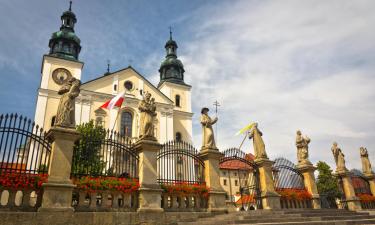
[136, 72]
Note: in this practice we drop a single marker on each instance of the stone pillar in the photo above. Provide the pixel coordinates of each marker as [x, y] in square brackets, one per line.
[307, 171]
[351, 199]
[149, 191]
[270, 198]
[57, 192]
[370, 177]
[216, 199]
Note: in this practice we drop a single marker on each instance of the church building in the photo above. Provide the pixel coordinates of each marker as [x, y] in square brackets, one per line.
[172, 95]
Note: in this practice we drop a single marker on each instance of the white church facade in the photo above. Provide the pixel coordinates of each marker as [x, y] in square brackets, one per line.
[172, 95]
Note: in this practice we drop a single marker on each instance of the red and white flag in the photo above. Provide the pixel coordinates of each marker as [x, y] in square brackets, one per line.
[116, 101]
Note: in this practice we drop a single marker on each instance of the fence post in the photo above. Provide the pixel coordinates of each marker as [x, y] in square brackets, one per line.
[216, 199]
[351, 199]
[57, 192]
[270, 198]
[307, 171]
[370, 177]
[149, 191]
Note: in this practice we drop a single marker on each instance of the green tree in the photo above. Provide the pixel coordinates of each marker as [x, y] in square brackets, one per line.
[87, 156]
[327, 184]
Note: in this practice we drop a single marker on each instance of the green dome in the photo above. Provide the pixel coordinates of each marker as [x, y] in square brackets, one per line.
[171, 62]
[65, 34]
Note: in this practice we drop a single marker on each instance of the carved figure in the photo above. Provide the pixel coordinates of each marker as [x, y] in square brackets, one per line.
[147, 107]
[302, 144]
[366, 165]
[339, 157]
[208, 133]
[259, 147]
[65, 112]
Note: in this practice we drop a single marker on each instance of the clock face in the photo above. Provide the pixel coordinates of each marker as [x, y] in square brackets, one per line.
[61, 75]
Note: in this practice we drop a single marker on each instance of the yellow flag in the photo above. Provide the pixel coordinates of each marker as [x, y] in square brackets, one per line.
[248, 127]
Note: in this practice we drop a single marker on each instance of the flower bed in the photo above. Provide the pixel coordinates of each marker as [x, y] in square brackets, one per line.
[294, 194]
[186, 189]
[366, 197]
[22, 181]
[92, 184]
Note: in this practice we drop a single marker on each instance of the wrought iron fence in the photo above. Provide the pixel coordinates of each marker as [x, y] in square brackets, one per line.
[286, 175]
[104, 153]
[179, 162]
[23, 146]
[249, 188]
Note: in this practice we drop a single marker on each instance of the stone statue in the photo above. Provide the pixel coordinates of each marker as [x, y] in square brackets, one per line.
[259, 147]
[208, 133]
[66, 110]
[339, 158]
[366, 165]
[147, 107]
[302, 144]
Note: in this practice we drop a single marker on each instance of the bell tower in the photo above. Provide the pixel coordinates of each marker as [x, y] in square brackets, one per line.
[58, 66]
[172, 85]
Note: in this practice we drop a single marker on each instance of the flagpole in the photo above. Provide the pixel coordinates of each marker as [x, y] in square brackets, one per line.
[243, 140]
[118, 112]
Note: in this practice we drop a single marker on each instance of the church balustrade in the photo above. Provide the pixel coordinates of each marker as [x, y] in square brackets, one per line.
[104, 200]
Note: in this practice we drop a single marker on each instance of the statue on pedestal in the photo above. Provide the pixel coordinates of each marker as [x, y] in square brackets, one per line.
[208, 133]
[147, 107]
[302, 144]
[339, 157]
[259, 147]
[366, 165]
[66, 110]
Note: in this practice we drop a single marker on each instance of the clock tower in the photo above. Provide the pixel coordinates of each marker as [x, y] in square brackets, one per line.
[58, 66]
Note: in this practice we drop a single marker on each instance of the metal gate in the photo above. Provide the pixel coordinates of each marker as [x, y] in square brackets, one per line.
[246, 174]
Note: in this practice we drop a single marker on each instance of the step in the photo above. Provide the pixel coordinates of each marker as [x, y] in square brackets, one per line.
[335, 222]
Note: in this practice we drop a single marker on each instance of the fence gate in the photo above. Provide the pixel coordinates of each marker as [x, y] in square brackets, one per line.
[362, 188]
[289, 183]
[181, 176]
[238, 166]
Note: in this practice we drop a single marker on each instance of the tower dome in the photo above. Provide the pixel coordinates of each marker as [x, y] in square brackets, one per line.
[171, 69]
[65, 43]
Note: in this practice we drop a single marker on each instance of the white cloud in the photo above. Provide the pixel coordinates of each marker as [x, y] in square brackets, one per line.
[289, 65]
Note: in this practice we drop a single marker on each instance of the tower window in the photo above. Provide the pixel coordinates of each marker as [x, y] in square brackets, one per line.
[53, 121]
[178, 101]
[225, 182]
[115, 87]
[128, 85]
[126, 124]
[178, 136]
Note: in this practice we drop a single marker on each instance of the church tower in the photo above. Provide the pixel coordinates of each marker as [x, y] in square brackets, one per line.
[58, 66]
[173, 86]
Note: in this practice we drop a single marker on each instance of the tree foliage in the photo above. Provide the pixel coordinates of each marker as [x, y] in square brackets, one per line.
[327, 184]
[87, 159]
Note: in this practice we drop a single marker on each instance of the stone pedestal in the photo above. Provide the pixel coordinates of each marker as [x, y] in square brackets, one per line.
[149, 191]
[270, 198]
[57, 192]
[307, 170]
[371, 180]
[352, 200]
[216, 200]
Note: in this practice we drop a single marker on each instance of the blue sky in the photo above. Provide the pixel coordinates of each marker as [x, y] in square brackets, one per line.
[288, 65]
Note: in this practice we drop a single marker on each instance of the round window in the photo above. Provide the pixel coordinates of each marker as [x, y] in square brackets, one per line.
[128, 85]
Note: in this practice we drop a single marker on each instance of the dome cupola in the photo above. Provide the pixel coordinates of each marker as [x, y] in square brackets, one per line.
[65, 43]
[171, 69]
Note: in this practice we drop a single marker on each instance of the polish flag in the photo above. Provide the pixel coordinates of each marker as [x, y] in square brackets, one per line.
[116, 101]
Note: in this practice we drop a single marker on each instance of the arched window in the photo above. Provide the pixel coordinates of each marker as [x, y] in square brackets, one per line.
[178, 136]
[126, 124]
[177, 100]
